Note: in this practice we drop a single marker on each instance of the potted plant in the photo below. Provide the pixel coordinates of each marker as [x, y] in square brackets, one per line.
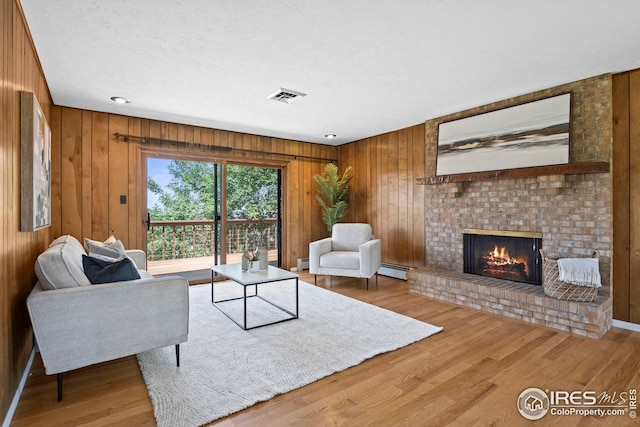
[333, 190]
[258, 238]
[252, 258]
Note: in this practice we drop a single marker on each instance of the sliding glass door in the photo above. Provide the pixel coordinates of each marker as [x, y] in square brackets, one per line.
[203, 213]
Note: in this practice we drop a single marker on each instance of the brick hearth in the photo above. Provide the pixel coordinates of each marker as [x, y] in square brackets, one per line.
[513, 299]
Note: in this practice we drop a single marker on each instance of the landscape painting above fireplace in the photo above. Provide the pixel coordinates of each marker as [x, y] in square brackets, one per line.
[532, 134]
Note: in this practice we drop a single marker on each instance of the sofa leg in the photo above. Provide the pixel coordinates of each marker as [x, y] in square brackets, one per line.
[59, 387]
[367, 284]
[315, 279]
[178, 355]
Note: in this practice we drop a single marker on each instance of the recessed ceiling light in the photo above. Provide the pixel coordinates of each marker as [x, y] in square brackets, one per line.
[331, 136]
[120, 100]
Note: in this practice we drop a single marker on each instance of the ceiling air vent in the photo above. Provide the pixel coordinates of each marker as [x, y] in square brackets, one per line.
[287, 96]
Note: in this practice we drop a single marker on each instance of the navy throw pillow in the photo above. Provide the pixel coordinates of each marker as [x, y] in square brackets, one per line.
[101, 271]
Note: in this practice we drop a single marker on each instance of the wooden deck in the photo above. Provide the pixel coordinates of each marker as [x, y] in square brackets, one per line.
[196, 270]
[179, 265]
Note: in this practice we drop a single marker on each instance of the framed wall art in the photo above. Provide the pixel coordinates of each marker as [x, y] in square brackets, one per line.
[536, 133]
[35, 165]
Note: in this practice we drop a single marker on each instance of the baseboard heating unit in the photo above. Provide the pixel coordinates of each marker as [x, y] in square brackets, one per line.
[396, 271]
[303, 264]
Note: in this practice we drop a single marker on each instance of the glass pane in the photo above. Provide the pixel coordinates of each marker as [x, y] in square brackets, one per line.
[181, 198]
[252, 211]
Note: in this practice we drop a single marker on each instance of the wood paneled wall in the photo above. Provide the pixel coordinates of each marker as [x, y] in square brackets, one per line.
[20, 71]
[93, 169]
[626, 199]
[384, 192]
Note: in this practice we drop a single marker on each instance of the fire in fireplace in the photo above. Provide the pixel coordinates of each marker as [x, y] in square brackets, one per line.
[503, 255]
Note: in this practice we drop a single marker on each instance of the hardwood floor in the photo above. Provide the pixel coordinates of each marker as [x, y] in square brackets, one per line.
[470, 374]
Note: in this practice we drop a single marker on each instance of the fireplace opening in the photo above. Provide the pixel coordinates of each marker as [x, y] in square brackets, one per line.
[503, 255]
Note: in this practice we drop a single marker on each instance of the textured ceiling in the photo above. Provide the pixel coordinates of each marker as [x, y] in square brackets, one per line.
[367, 67]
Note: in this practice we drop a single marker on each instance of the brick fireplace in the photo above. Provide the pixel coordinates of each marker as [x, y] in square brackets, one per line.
[572, 213]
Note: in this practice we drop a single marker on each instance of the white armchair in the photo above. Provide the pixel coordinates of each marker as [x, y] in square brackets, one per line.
[350, 251]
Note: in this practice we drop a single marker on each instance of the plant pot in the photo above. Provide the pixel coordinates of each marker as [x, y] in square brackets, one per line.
[254, 266]
[264, 259]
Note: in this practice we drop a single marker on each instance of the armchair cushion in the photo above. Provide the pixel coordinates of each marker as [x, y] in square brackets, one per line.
[341, 259]
[349, 237]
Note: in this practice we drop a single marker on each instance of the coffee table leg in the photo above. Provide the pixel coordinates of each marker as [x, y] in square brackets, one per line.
[245, 308]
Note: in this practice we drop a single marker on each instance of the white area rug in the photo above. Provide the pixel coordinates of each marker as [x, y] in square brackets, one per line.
[225, 369]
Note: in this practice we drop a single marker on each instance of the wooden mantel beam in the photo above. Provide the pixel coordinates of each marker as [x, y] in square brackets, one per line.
[568, 169]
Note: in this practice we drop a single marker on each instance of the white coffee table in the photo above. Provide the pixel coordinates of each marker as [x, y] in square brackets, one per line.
[247, 279]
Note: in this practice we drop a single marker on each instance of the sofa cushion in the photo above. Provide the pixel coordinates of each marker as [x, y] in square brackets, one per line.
[111, 259]
[101, 271]
[64, 239]
[111, 248]
[349, 237]
[341, 259]
[60, 266]
[110, 239]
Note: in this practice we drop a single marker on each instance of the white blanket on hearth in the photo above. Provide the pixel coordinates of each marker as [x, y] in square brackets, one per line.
[579, 271]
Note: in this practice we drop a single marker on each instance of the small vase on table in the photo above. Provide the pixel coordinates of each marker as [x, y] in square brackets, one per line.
[264, 259]
[245, 261]
[254, 266]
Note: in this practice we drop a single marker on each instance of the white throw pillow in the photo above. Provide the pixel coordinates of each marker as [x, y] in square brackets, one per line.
[87, 241]
[111, 247]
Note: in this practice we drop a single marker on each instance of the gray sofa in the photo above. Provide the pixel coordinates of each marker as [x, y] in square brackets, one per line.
[77, 324]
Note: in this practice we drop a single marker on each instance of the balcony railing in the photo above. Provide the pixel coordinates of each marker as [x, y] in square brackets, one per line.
[168, 240]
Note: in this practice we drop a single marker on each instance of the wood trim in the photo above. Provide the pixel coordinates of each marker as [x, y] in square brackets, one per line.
[621, 207]
[223, 216]
[568, 169]
[634, 196]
